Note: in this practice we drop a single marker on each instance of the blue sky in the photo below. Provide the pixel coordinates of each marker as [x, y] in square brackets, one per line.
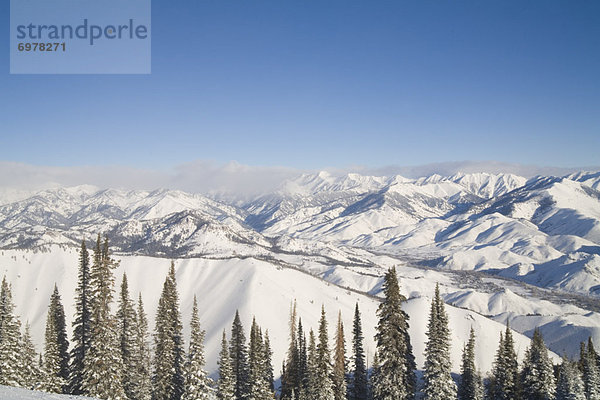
[318, 84]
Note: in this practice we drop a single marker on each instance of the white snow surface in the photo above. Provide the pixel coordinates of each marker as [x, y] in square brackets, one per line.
[12, 393]
[264, 290]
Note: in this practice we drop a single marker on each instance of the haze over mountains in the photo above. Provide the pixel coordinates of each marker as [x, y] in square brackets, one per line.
[503, 248]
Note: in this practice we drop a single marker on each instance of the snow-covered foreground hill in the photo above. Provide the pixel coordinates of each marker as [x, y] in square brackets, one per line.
[12, 393]
[265, 290]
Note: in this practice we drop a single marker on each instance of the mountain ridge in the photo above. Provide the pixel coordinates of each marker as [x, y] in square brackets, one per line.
[497, 223]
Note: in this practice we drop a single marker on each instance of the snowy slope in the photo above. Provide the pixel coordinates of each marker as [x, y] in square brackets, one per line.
[265, 290]
[557, 206]
[12, 393]
[488, 185]
[591, 179]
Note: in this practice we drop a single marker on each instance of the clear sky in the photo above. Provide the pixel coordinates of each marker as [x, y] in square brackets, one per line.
[311, 84]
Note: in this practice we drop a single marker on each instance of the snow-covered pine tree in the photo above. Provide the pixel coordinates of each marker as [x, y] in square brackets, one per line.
[30, 372]
[591, 374]
[81, 323]
[470, 386]
[439, 384]
[396, 378]
[324, 370]
[358, 388]
[197, 385]
[570, 385]
[492, 388]
[259, 387]
[127, 331]
[302, 363]
[290, 386]
[53, 380]
[340, 372]
[61, 331]
[313, 386]
[142, 374]
[537, 375]
[504, 380]
[226, 382]
[238, 354]
[168, 339]
[590, 348]
[59, 343]
[373, 376]
[10, 335]
[268, 362]
[103, 366]
[511, 364]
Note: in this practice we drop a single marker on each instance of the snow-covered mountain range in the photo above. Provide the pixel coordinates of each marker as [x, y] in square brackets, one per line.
[502, 247]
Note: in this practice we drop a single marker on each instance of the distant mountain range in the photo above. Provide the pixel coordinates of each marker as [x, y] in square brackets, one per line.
[544, 231]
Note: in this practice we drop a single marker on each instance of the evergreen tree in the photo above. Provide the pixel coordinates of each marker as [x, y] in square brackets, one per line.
[359, 382]
[302, 363]
[396, 379]
[168, 376]
[226, 382]
[103, 365]
[61, 332]
[127, 331]
[142, 380]
[10, 335]
[239, 358]
[537, 376]
[56, 353]
[269, 362]
[503, 383]
[196, 379]
[470, 386]
[570, 385]
[582, 355]
[313, 386]
[511, 365]
[438, 379]
[324, 369]
[339, 362]
[82, 322]
[259, 387]
[592, 351]
[30, 373]
[53, 381]
[290, 385]
[591, 374]
[374, 376]
[493, 389]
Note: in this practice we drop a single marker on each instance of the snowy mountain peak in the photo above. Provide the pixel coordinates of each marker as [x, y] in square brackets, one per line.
[591, 179]
[311, 184]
